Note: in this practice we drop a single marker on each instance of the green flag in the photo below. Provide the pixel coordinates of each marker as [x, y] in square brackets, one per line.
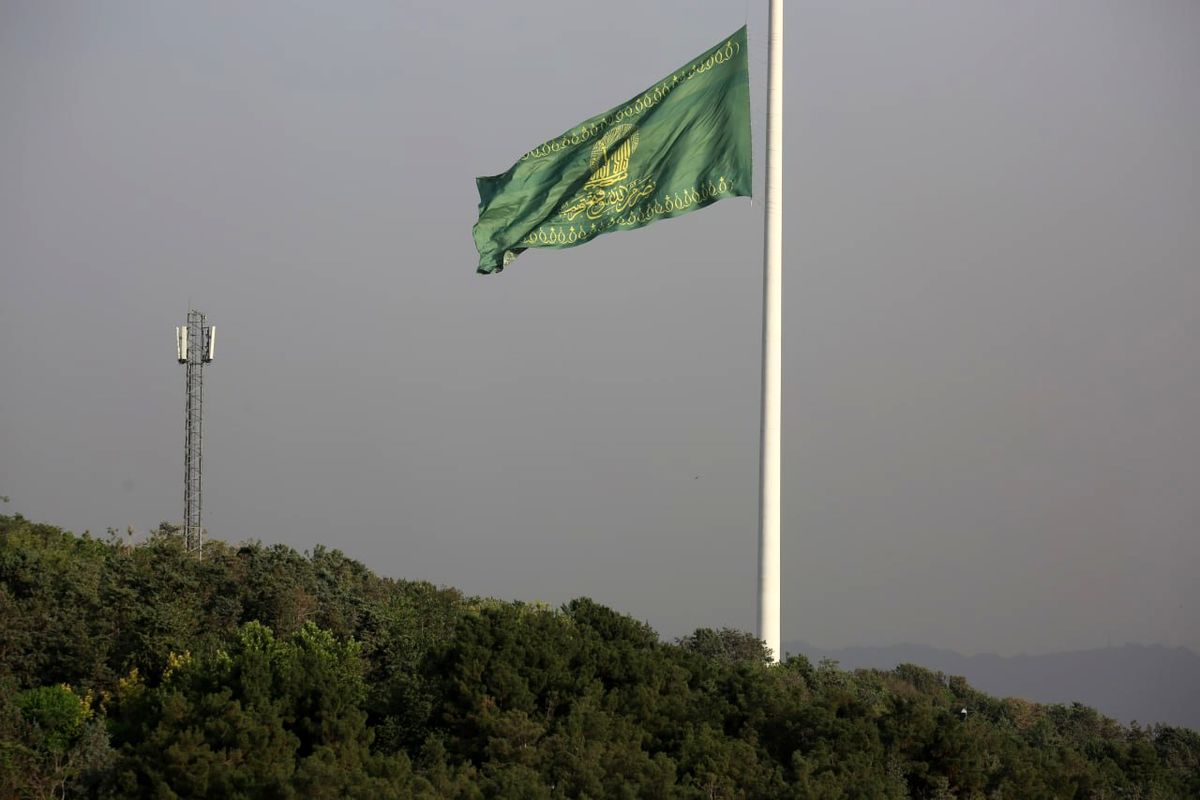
[682, 144]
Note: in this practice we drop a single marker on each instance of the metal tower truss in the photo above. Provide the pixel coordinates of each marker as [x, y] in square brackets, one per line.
[194, 349]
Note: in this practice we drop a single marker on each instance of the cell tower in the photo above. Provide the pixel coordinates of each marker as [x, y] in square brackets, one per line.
[194, 348]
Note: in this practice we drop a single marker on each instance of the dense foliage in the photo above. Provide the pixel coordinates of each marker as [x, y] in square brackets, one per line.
[138, 671]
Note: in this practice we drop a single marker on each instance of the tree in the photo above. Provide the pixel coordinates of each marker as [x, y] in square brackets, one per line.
[727, 645]
[50, 744]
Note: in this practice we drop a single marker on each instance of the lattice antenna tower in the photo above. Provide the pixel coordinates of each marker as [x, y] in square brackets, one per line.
[194, 348]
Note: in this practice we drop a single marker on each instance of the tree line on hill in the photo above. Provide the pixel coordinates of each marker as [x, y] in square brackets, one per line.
[130, 671]
[1131, 682]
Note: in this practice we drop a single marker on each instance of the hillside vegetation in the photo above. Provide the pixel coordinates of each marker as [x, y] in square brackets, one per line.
[138, 671]
[1130, 682]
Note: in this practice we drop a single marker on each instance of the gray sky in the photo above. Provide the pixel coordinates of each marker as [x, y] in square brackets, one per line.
[992, 307]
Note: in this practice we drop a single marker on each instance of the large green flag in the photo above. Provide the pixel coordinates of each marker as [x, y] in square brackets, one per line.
[682, 144]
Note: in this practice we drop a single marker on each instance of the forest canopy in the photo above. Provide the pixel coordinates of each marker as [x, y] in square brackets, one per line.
[141, 671]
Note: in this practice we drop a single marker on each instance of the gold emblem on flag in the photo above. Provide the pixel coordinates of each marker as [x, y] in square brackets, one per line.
[608, 189]
[610, 156]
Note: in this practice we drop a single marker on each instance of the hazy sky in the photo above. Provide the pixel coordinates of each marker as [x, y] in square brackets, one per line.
[991, 305]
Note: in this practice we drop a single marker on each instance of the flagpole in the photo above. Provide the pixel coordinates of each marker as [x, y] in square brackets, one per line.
[772, 349]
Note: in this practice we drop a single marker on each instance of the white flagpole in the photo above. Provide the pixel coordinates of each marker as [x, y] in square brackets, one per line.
[772, 350]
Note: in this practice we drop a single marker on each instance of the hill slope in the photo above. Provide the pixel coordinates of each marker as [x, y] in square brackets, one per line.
[261, 672]
[1145, 683]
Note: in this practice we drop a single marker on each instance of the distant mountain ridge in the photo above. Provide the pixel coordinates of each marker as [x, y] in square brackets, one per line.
[1146, 683]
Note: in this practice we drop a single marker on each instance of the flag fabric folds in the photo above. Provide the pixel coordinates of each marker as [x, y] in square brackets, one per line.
[682, 144]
